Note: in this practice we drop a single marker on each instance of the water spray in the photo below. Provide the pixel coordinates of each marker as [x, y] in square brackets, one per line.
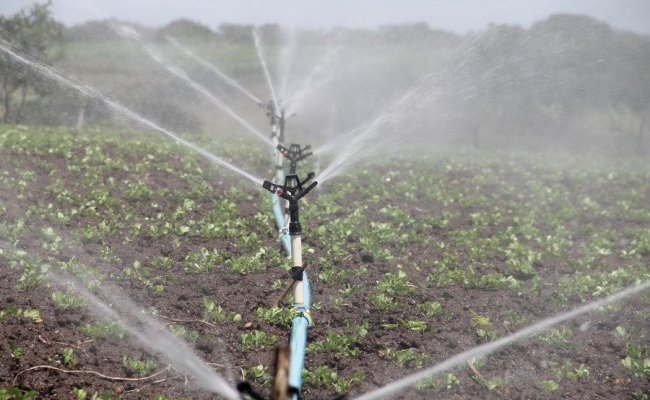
[231, 81]
[292, 191]
[120, 109]
[489, 348]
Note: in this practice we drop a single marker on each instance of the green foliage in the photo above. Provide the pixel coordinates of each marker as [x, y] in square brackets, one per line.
[66, 300]
[324, 376]
[407, 357]
[140, 367]
[183, 332]
[637, 360]
[337, 343]
[395, 284]
[549, 386]
[34, 31]
[448, 381]
[559, 336]
[14, 393]
[69, 359]
[212, 311]
[257, 340]
[276, 315]
[204, 260]
[383, 302]
[430, 308]
[257, 373]
[103, 330]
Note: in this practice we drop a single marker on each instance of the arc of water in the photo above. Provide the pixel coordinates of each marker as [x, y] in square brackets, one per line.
[131, 34]
[179, 73]
[231, 81]
[310, 84]
[489, 348]
[361, 134]
[123, 111]
[260, 55]
[152, 334]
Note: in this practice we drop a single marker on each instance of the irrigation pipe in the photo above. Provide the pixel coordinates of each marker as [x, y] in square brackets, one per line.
[292, 191]
[489, 348]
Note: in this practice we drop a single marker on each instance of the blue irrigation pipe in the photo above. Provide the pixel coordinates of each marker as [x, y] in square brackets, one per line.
[292, 191]
[281, 219]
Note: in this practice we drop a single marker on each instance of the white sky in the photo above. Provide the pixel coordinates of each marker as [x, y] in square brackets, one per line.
[459, 16]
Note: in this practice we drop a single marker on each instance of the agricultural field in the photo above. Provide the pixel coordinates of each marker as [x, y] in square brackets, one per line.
[411, 260]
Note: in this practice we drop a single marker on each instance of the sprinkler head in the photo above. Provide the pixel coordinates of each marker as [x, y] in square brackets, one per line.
[294, 154]
[293, 188]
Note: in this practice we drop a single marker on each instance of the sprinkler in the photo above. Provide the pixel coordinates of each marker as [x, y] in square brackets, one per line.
[294, 154]
[292, 191]
[277, 118]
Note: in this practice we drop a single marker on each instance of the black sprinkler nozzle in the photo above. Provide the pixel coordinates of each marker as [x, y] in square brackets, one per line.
[292, 191]
[294, 154]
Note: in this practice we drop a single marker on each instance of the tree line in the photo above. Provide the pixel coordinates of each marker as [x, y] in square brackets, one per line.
[568, 80]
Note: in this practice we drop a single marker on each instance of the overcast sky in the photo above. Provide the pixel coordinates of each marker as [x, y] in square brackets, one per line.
[459, 16]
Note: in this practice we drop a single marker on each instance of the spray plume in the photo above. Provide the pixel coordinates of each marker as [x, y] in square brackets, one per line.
[150, 333]
[121, 110]
[489, 348]
[260, 54]
[232, 82]
[131, 34]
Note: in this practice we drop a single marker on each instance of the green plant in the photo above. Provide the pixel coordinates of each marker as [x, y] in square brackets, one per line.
[395, 284]
[79, 394]
[103, 329]
[559, 336]
[69, 359]
[258, 373]
[407, 357]
[383, 302]
[204, 260]
[549, 386]
[430, 308]
[276, 315]
[337, 343]
[324, 376]
[181, 331]
[637, 360]
[212, 311]
[16, 353]
[14, 393]
[66, 300]
[140, 367]
[482, 323]
[257, 340]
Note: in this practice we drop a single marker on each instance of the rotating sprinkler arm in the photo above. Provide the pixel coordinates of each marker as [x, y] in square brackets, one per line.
[294, 154]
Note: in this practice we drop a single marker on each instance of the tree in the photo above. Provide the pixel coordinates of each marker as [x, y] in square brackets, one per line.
[31, 31]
